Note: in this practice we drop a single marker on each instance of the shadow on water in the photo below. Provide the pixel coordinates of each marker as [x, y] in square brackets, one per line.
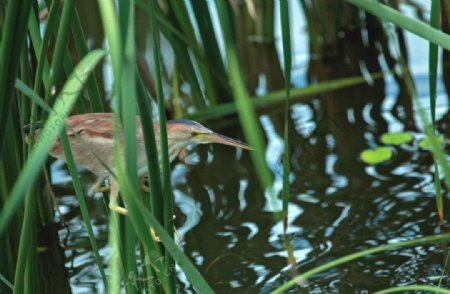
[339, 204]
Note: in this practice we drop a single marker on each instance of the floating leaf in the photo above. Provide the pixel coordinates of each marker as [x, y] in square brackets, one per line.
[426, 143]
[377, 155]
[396, 138]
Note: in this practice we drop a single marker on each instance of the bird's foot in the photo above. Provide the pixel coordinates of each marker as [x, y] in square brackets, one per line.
[97, 186]
[118, 209]
[101, 189]
[144, 186]
[155, 237]
[158, 239]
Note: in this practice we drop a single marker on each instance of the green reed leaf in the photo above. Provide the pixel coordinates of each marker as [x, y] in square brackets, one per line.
[415, 288]
[409, 243]
[405, 22]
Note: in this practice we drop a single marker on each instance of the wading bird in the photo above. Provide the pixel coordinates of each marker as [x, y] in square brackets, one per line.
[91, 139]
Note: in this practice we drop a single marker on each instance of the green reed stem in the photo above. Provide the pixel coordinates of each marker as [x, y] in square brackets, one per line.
[140, 224]
[128, 112]
[276, 97]
[112, 31]
[81, 46]
[11, 45]
[42, 58]
[35, 36]
[114, 256]
[164, 150]
[25, 278]
[23, 104]
[27, 252]
[145, 110]
[155, 194]
[433, 58]
[247, 115]
[433, 66]
[286, 36]
[6, 282]
[83, 207]
[287, 57]
[213, 58]
[139, 213]
[168, 26]
[182, 16]
[58, 55]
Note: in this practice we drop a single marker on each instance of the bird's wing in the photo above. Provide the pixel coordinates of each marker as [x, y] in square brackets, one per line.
[98, 125]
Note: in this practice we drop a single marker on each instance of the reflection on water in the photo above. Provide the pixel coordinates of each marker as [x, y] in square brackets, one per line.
[339, 205]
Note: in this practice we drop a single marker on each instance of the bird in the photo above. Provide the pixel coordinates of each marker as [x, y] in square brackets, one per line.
[91, 137]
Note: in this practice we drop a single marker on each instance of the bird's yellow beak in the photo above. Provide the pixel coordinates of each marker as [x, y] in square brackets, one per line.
[217, 138]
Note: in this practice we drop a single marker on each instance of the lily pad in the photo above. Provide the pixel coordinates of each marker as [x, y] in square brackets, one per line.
[377, 155]
[426, 142]
[396, 138]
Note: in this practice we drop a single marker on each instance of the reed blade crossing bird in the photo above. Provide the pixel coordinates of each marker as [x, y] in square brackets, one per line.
[91, 138]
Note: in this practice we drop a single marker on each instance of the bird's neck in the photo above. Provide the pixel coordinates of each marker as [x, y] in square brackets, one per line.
[175, 149]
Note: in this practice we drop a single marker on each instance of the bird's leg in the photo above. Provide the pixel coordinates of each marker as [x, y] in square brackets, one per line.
[156, 237]
[144, 187]
[177, 234]
[97, 186]
[114, 194]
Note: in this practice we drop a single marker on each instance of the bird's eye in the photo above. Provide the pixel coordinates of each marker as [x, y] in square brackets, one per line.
[193, 134]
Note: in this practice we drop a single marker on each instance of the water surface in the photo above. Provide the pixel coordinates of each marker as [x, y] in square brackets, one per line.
[339, 204]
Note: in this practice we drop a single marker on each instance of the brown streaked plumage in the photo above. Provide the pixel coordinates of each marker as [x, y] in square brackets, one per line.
[91, 138]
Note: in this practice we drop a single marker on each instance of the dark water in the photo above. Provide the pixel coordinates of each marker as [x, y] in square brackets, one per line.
[339, 205]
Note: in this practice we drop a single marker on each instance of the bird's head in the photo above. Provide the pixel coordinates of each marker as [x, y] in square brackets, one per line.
[185, 132]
